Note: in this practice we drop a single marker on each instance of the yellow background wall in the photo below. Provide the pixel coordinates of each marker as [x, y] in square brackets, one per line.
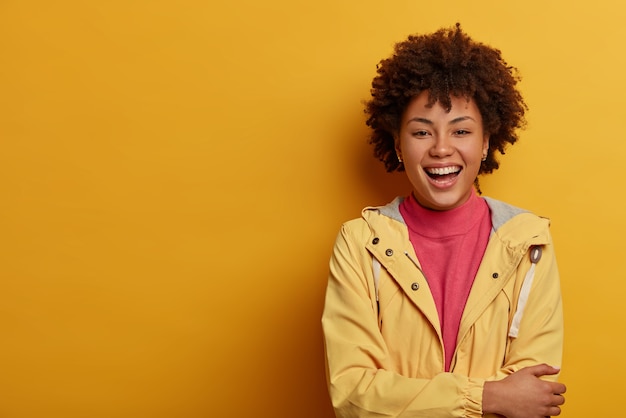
[173, 174]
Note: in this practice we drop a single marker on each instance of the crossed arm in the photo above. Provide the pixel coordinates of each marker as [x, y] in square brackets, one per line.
[363, 384]
[524, 394]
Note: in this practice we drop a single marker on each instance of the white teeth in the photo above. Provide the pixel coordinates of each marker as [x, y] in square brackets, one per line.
[441, 171]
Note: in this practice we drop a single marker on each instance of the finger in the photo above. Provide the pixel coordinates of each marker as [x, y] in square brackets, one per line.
[558, 388]
[558, 400]
[554, 411]
[543, 369]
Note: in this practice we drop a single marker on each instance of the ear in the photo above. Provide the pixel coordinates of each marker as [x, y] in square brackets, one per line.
[396, 141]
[485, 145]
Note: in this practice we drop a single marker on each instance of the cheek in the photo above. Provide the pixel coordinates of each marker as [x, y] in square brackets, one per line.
[413, 170]
[413, 151]
[475, 151]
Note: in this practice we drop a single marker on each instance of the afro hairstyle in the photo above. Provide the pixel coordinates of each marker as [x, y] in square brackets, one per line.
[446, 62]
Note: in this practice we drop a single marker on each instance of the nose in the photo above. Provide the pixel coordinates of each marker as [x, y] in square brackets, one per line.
[442, 147]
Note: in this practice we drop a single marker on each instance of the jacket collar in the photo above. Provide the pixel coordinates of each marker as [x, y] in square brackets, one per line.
[514, 226]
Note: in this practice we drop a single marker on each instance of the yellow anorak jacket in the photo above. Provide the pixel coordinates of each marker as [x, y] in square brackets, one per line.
[384, 349]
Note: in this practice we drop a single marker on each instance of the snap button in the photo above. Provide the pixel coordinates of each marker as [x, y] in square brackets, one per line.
[389, 252]
[415, 286]
[494, 275]
[375, 241]
[535, 255]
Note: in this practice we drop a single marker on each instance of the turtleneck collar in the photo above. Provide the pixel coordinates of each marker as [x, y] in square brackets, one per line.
[440, 224]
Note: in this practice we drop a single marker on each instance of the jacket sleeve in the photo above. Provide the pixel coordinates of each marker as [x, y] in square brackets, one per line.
[540, 336]
[360, 379]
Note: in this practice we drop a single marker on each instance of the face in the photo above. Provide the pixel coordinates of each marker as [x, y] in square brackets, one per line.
[442, 151]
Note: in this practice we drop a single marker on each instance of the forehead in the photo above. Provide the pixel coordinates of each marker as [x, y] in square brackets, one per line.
[421, 105]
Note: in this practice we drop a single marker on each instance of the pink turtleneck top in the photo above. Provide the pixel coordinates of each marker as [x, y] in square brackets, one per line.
[449, 246]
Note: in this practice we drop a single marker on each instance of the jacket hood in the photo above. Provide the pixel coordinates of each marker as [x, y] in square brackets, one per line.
[515, 226]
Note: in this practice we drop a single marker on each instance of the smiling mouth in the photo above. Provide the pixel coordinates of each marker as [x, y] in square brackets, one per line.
[443, 174]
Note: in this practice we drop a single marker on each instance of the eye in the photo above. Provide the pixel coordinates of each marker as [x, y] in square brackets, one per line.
[462, 132]
[420, 133]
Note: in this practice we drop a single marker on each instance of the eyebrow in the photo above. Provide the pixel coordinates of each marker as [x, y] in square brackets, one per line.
[430, 122]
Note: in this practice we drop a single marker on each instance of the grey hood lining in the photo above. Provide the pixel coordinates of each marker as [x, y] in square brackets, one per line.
[500, 212]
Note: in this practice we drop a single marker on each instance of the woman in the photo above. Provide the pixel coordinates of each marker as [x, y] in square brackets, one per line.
[444, 303]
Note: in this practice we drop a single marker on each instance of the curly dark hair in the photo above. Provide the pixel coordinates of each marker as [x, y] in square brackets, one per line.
[446, 62]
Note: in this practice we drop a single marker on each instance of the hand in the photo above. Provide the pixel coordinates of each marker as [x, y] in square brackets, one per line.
[524, 395]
